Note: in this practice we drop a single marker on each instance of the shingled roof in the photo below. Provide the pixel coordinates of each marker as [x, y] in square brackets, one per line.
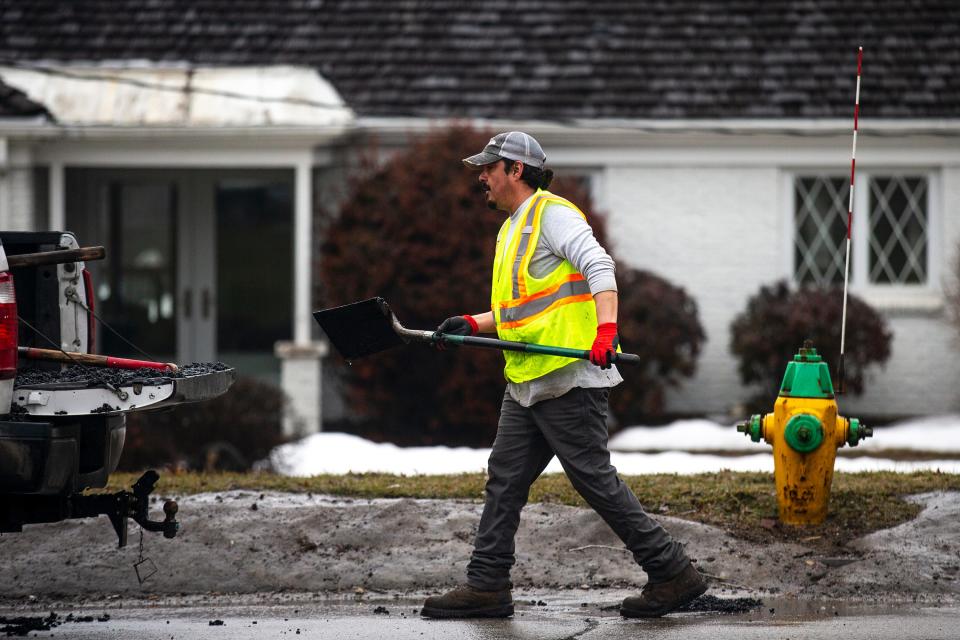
[554, 60]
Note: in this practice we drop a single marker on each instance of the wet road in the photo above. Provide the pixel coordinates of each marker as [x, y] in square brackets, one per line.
[562, 618]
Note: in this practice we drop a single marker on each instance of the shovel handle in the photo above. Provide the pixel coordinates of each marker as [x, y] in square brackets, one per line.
[507, 345]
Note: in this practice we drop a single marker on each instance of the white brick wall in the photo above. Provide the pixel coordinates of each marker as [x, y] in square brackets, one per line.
[950, 207]
[712, 231]
[922, 375]
[16, 191]
[19, 214]
[720, 233]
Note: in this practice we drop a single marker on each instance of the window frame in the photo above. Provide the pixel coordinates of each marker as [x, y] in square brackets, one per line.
[927, 296]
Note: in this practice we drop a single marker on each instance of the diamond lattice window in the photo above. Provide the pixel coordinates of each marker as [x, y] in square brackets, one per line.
[898, 221]
[820, 216]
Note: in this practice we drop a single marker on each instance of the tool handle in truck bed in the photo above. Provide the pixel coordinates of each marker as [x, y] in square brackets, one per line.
[93, 360]
[60, 256]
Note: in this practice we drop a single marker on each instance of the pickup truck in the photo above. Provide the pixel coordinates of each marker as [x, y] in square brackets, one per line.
[60, 437]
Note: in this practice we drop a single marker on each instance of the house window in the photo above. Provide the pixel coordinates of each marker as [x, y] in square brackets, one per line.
[898, 221]
[891, 234]
[820, 216]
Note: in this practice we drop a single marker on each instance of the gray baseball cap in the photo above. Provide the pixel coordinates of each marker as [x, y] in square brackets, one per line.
[513, 145]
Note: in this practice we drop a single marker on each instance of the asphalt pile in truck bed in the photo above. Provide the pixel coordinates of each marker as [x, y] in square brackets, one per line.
[117, 377]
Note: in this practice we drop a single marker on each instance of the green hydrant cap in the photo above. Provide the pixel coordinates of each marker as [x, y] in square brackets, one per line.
[752, 429]
[857, 432]
[803, 433]
[807, 376]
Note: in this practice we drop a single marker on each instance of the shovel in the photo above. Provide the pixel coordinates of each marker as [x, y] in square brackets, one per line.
[363, 328]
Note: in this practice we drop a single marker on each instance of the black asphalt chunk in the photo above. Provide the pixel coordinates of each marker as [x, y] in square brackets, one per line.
[713, 604]
[72, 618]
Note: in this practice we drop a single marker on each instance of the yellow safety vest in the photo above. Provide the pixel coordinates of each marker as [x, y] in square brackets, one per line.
[556, 310]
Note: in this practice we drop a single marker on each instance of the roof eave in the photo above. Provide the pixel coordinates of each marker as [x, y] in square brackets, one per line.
[304, 135]
[612, 130]
[31, 126]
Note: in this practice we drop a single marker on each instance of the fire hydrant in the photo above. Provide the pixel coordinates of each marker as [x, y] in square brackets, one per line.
[805, 432]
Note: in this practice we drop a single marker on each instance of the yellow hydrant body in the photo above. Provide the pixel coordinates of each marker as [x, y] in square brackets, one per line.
[805, 432]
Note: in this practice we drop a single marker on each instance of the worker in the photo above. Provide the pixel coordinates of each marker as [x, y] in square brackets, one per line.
[552, 284]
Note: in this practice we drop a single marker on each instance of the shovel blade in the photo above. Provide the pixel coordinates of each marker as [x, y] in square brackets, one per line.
[360, 328]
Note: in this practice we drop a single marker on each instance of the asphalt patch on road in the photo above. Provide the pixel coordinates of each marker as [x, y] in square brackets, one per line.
[713, 604]
[24, 625]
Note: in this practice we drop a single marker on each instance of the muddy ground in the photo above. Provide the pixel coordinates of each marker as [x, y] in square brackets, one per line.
[245, 542]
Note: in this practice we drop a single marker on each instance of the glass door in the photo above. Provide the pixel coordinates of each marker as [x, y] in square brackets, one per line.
[197, 286]
[199, 262]
[254, 270]
[135, 285]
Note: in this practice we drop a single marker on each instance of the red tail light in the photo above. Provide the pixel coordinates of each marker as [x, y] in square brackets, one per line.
[8, 328]
[91, 326]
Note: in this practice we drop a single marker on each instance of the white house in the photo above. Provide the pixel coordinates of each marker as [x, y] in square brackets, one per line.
[199, 181]
[194, 144]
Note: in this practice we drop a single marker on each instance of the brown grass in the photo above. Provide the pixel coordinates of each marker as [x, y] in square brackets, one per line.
[743, 504]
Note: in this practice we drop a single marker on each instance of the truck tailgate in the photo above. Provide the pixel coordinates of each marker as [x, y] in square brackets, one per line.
[83, 397]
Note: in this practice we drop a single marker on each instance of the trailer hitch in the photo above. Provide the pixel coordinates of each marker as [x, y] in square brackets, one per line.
[142, 489]
[134, 504]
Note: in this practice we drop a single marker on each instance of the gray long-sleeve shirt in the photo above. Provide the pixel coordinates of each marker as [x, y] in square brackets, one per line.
[564, 235]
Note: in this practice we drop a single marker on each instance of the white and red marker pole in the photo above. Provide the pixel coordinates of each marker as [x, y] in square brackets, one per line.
[846, 270]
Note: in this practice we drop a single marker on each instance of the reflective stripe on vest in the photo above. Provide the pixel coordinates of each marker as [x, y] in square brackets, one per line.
[515, 312]
[526, 230]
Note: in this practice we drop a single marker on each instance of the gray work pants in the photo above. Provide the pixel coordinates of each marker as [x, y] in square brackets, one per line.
[572, 427]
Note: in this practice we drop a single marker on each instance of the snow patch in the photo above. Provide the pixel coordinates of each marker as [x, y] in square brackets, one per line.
[675, 449]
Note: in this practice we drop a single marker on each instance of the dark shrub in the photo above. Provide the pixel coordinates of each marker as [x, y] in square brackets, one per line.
[416, 231]
[230, 432]
[659, 322]
[777, 321]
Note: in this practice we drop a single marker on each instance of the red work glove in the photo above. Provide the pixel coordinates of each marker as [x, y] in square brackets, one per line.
[604, 349]
[458, 326]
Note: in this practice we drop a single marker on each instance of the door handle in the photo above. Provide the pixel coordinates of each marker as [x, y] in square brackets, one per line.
[187, 303]
[205, 304]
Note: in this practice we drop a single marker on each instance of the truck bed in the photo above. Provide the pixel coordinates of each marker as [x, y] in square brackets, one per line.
[80, 391]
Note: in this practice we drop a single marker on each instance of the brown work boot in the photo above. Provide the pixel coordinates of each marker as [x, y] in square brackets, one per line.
[467, 602]
[661, 598]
